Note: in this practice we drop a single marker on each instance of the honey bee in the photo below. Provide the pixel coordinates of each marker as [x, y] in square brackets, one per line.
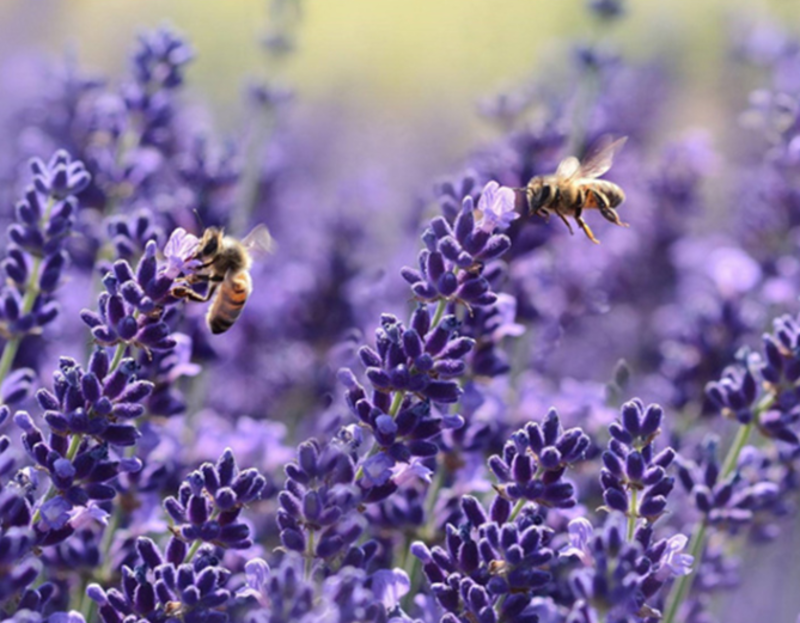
[225, 266]
[574, 188]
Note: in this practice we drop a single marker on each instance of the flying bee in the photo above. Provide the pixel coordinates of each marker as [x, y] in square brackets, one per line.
[225, 265]
[574, 188]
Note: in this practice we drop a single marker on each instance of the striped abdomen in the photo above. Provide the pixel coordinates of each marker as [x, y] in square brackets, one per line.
[229, 301]
[613, 193]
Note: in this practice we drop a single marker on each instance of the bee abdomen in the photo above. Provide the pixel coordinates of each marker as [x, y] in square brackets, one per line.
[229, 302]
[613, 193]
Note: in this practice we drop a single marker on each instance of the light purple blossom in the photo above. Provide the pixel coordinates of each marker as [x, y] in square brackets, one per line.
[580, 532]
[390, 585]
[179, 253]
[56, 512]
[403, 473]
[378, 469]
[257, 573]
[66, 617]
[81, 517]
[674, 562]
[496, 207]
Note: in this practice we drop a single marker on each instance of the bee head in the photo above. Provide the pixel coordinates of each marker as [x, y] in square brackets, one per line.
[210, 242]
[538, 192]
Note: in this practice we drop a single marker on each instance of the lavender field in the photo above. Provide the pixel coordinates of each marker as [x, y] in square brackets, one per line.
[320, 324]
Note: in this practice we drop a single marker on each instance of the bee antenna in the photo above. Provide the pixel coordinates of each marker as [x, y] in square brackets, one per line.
[199, 219]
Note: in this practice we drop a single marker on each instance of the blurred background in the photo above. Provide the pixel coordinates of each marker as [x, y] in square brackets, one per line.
[385, 102]
[399, 64]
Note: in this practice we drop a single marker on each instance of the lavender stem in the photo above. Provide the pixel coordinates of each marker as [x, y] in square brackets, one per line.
[681, 588]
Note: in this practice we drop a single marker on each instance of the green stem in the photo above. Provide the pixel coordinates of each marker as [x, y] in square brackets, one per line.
[396, 402]
[681, 587]
[28, 301]
[9, 352]
[118, 354]
[683, 584]
[437, 315]
[198, 542]
[633, 514]
[309, 562]
[517, 508]
[193, 550]
[742, 435]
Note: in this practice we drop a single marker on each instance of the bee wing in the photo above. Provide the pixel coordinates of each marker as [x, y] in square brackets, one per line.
[568, 168]
[259, 242]
[602, 155]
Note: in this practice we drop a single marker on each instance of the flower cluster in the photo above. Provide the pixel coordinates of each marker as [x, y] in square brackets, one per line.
[534, 461]
[630, 467]
[35, 256]
[211, 500]
[618, 577]
[455, 255]
[489, 567]
[131, 310]
[776, 409]
[166, 586]
[317, 513]
[725, 500]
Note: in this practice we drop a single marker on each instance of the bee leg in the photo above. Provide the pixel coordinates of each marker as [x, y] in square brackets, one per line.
[609, 213]
[182, 292]
[566, 222]
[586, 229]
[543, 213]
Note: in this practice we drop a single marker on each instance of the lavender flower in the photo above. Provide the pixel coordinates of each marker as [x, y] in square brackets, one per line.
[210, 501]
[631, 468]
[36, 257]
[165, 586]
[534, 461]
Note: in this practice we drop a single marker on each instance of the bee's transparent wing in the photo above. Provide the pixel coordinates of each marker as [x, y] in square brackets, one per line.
[568, 168]
[601, 156]
[258, 242]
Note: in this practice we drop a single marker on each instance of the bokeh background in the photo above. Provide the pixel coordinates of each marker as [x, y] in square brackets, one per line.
[408, 65]
[387, 94]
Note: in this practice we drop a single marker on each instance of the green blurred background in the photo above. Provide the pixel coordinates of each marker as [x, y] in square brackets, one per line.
[398, 61]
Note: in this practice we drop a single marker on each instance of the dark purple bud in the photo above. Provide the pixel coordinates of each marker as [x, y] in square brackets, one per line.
[631, 413]
[446, 392]
[176, 551]
[328, 546]
[522, 468]
[496, 246]
[473, 510]
[616, 500]
[635, 466]
[702, 499]
[421, 320]
[98, 363]
[653, 506]
[472, 289]
[434, 266]
[149, 552]
[369, 357]
[121, 435]
[651, 421]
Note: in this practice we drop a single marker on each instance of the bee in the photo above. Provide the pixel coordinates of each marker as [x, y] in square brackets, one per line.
[225, 265]
[574, 187]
